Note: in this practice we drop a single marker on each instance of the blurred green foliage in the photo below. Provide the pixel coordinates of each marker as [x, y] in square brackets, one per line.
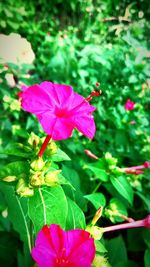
[80, 43]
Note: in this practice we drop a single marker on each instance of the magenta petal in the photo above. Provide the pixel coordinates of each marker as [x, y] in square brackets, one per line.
[64, 94]
[48, 121]
[36, 100]
[63, 129]
[80, 255]
[86, 125]
[57, 236]
[43, 256]
[79, 104]
[78, 243]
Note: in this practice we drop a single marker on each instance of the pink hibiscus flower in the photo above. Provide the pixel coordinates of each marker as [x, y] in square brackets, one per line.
[129, 105]
[55, 247]
[59, 109]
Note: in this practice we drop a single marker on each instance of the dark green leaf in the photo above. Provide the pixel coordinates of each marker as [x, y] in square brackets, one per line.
[123, 187]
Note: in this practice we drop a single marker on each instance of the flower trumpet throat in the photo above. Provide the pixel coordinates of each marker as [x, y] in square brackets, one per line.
[134, 224]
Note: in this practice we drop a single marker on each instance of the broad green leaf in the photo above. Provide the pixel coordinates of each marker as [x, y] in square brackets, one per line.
[147, 258]
[100, 248]
[16, 150]
[75, 216]
[123, 187]
[18, 213]
[60, 156]
[99, 173]
[14, 168]
[97, 199]
[72, 176]
[47, 206]
[116, 250]
[146, 200]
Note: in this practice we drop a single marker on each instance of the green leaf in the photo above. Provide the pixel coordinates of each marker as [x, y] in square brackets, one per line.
[60, 156]
[147, 257]
[18, 213]
[47, 206]
[75, 216]
[126, 264]
[146, 200]
[97, 199]
[116, 250]
[72, 176]
[16, 150]
[99, 173]
[14, 168]
[146, 236]
[123, 187]
[99, 247]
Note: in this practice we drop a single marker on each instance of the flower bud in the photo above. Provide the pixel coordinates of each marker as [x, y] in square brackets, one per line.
[10, 179]
[147, 222]
[23, 190]
[33, 140]
[100, 261]
[51, 178]
[7, 99]
[37, 164]
[15, 105]
[36, 179]
[51, 149]
[110, 160]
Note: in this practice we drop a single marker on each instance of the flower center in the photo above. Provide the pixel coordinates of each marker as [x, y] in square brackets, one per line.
[61, 113]
[62, 261]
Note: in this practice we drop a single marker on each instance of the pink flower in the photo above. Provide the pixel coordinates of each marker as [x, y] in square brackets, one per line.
[56, 248]
[59, 109]
[129, 105]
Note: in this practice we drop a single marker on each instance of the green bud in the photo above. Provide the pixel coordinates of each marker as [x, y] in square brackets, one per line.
[51, 149]
[23, 190]
[100, 261]
[52, 178]
[36, 179]
[112, 162]
[33, 140]
[37, 164]
[95, 231]
[10, 179]
[7, 99]
[15, 105]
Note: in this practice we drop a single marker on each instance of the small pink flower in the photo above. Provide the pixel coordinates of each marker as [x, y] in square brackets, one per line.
[132, 122]
[59, 109]
[129, 105]
[55, 247]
